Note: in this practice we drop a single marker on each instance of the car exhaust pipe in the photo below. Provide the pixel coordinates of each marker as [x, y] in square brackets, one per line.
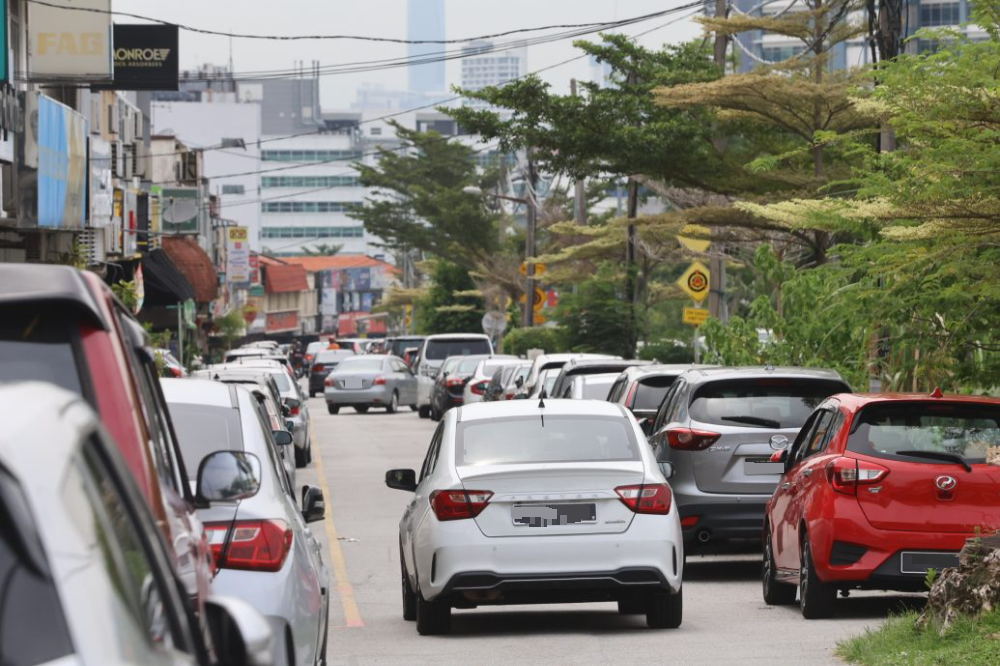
[704, 536]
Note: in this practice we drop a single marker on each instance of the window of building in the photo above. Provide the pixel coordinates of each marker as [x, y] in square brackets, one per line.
[779, 53]
[233, 189]
[309, 181]
[313, 232]
[376, 131]
[940, 13]
[308, 206]
[309, 155]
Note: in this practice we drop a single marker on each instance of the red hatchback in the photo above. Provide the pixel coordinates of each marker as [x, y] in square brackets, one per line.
[877, 490]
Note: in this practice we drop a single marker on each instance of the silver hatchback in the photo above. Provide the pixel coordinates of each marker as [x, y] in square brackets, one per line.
[718, 427]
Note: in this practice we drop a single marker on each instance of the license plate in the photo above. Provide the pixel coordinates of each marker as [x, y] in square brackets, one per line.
[919, 563]
[352, 383]
[544, 515]
[757, 466]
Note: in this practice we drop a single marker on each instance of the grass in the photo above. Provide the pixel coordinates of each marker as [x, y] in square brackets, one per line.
[968, 642]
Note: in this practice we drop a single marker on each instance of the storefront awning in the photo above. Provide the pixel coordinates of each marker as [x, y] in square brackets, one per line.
[196, 266]
[164, 284]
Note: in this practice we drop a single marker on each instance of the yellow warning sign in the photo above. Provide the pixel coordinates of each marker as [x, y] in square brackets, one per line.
[539, 269]
[695, 282]
[695, 316]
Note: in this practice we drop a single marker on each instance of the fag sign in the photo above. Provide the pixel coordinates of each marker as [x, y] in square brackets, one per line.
[695, 316]
[695, 282]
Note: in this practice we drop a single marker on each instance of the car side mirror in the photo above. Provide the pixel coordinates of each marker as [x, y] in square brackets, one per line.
[667, 469]
[227, 476]
[401, 479]
[282, 437]
[286, 410]
[313, 504]
[519, 382]
[240, 634]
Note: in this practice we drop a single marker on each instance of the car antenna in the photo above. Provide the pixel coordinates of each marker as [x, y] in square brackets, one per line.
[541, 405]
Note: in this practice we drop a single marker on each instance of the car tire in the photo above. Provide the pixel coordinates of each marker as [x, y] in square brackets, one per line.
[309, 452]
[816, 598]
[433, 617]
[333, 409]
[321, 657]
[775, 593]
[665, 610]
[424, 412]
[414, 408]
[409, 596]
[393, 405]
[300, 458]
[435, 414]
[632, 607]
[361, 409]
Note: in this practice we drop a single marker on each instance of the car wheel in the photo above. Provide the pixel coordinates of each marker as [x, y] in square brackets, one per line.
[632, 607]
[414, 408]
[435, 414]
[816, 598]
[775, 593]
[424, 412]
[665, 610]
[300, 457]
[361, 409]
[433, 617]
[409, 596]
[393, 405]
[333, 409]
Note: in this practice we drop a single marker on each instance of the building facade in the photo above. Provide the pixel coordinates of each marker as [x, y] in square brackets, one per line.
[484, 64]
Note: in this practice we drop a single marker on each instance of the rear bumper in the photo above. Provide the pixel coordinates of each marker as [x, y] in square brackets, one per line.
[721, 517]
[487, 587]
[376, 395]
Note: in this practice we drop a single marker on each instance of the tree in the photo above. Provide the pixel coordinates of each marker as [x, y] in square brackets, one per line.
[452, 304]
[322, 250]
[595, 318]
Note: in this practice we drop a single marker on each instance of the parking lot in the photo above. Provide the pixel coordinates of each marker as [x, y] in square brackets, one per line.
[725, 619]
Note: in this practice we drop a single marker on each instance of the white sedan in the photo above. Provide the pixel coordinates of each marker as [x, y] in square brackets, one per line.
[525, 501]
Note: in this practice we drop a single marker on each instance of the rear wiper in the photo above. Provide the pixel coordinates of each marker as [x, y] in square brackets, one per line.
[938, 455]
[753, 420]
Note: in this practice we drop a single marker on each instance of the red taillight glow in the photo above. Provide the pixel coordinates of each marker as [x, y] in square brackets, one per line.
[631, 395]
[690, 521]
[459, 504]
[454, 381]
[309, 357]
[318, 367]
[479, 388]
[509, 395]
[256, 545]
[688, 439]
[294, 411]
[846, 474]
[379, 381]
[177, 372]
[327, 382]
[648, 498]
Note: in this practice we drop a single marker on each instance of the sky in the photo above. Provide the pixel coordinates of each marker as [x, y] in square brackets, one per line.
[387, 18]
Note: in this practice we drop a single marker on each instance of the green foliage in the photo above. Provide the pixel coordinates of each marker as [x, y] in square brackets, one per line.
[550, 339]
[667, 351]
[448, 306]
[231, 326]
[596, 318]
[322, 250]
[126, 292]
[929, 579]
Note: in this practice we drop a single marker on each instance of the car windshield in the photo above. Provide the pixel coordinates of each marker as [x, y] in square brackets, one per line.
[360, 364]
[36, 344]
[650, 393]
[777, 402]
[440, 349]
[522, 440]
[202, 430]
[926, 432]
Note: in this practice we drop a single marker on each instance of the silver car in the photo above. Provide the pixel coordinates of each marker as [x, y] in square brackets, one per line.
[375, 380]
[719, 427]
[588, 387]
[475, 388]
[548, 362]
[264, 551]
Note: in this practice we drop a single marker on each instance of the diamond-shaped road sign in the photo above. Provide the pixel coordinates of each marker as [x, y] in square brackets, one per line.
[695, 282]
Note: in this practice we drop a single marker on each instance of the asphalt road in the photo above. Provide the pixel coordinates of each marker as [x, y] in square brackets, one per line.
[725, 620]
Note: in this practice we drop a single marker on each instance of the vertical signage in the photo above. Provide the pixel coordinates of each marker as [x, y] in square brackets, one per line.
[238, 256]
[70, 40]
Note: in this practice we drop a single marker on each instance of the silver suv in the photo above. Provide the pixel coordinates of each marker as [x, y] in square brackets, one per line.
[718, 428]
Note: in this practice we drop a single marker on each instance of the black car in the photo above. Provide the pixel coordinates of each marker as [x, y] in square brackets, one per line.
[449, 384]
[326, 360]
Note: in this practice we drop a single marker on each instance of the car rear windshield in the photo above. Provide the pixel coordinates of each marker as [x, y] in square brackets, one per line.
[333, 355]
[776, 402]
[360, 364]
[438, 350]
[399, 346]
[926, 432]
[36, 343]
[283, 382]
[203, 429]
[466, 367]
[491, 367]
[522, 440]
[597, 388]
[651, 391]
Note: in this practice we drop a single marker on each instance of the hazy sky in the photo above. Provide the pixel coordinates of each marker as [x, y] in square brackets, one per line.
[387, 18]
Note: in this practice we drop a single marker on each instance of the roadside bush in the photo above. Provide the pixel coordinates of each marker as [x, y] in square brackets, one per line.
[520, 340]
[667, 351]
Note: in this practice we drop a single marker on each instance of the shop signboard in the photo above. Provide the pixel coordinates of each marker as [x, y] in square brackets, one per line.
[70, 41]
[179, 210]
[145, 57]
[238, 256]
[282, 321]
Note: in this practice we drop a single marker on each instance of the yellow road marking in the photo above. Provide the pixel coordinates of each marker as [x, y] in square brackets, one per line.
[352, 615]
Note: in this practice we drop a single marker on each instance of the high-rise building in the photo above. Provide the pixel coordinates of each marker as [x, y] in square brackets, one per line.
[486, 65]
[425, 21]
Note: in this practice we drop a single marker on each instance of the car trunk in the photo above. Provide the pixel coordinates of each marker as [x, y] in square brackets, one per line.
[352, 381]
[737, 462]
[567, 498]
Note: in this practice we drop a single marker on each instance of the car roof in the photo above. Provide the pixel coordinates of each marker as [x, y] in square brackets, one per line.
[63, 286]
[197, 391]
[273, 364]
[858, 400]
[238, 372]
[707, 374]
[457, 336]
[484, 411]
[577, 366]
[250, 351]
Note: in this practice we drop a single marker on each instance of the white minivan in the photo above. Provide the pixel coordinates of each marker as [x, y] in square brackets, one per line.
[434, 350]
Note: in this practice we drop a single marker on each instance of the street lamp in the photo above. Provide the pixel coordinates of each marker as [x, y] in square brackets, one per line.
[528, 316]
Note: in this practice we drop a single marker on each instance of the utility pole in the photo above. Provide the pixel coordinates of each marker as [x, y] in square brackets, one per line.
[580, 199]
[717, 261]
[528, 318]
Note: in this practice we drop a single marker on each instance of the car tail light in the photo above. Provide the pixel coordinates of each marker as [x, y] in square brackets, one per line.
[631, 395]
[690, 521]
[479, 388]
[328, 382]
[294, 411]
[255, 545]
[846, 474]
[309, 357]
[509, 395]
[379, 381]
[689, 439]
[176, 372]
[318, 367]
[459, 504]
[452, 382]
[646, 498]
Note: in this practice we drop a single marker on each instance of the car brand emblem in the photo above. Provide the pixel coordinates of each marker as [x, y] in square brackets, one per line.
[945, 483]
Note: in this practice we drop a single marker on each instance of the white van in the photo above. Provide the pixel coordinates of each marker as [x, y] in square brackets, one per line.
[434, 350]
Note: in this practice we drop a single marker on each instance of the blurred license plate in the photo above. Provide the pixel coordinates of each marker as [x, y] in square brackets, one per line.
[352, 383]
[919, 563]
[762, 466]
[543, 515]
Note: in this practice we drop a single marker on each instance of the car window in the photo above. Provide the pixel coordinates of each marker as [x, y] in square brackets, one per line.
[442, 348]
[651, 391]
[521, 440]
[33, 627]
[805, 433]
[272, 453]
[596, 388]
[361, 364]
[819, 435]
[666, 405]
[40, 343]
[778, 402]
[432, 452]
[616, 389]
[204, 429]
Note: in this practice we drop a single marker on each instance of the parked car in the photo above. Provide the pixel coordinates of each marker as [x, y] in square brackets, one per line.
[433, 352]
[263, 548]
[512, 508]
[65, 326]
[257, 354]
[503, 384]
[312, 349]
[168, 364]
[87, 577]
[641, 390]
[877, 490]
[546, 381]
[588, 387]
[546, 362]
[449, 384]
[475, 387]
[369, 381]
[715, 425]
[326, 361]
[576, 367]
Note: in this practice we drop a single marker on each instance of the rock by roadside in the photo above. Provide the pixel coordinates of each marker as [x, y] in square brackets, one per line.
[967, 590]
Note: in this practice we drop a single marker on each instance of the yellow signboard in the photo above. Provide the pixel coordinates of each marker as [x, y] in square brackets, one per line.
[695, 281]
[540, 318]
[695, 244]
[695, 316]
[539, 269]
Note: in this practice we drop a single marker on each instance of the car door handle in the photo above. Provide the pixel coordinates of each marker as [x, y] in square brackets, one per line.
[807, 472]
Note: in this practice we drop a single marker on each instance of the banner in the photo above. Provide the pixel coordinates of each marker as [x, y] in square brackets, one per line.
[238, 256]
[70, 40]
[145, 57]
[179, 210]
